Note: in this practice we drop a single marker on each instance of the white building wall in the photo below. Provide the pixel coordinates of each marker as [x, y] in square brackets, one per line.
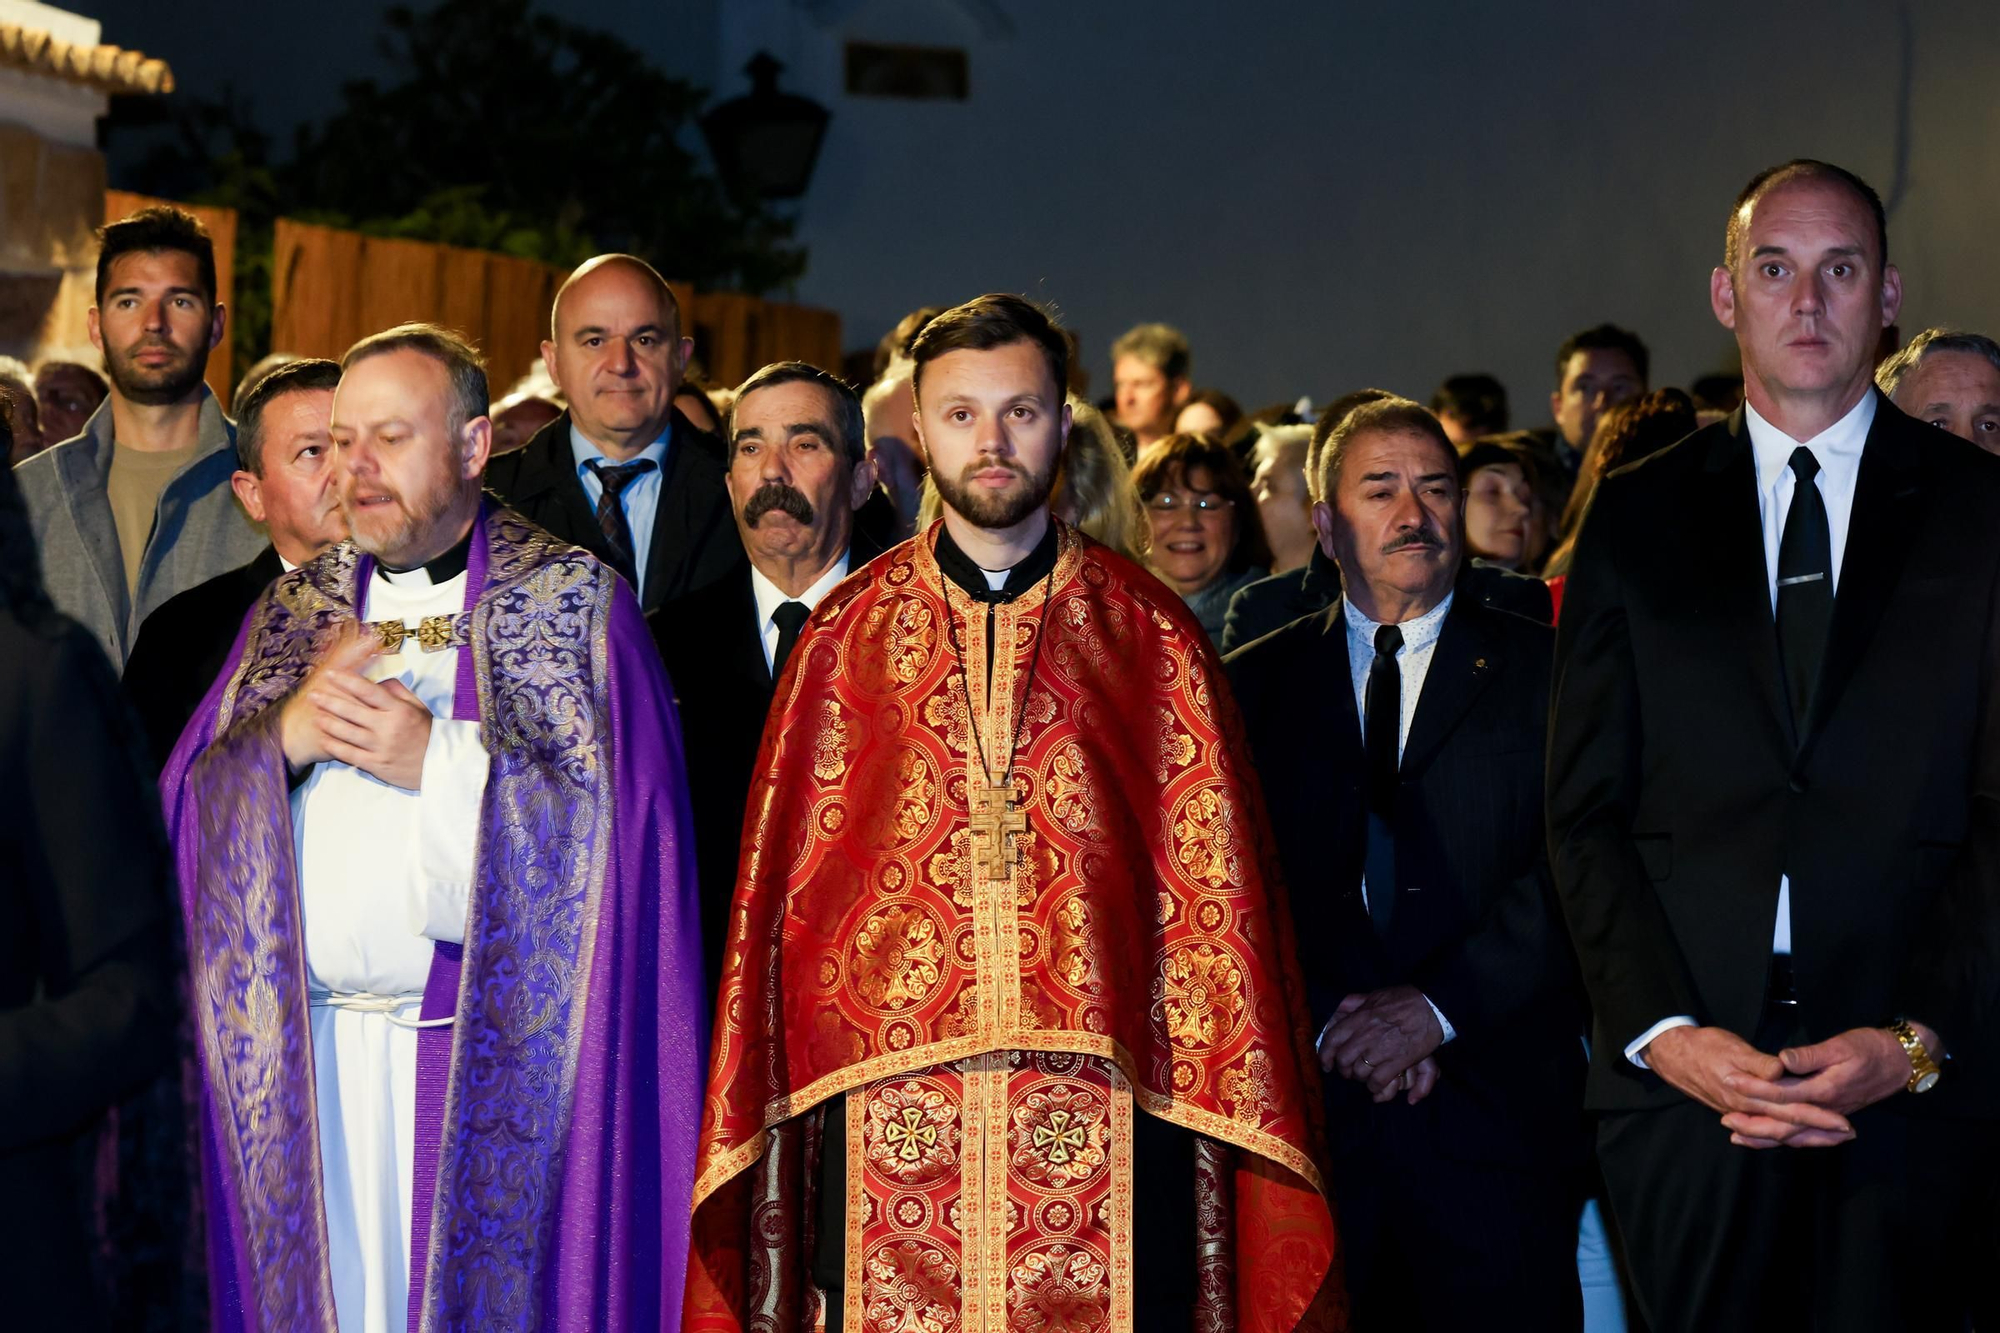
[1325, 195]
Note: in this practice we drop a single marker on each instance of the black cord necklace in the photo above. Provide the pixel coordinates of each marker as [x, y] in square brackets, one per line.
[965, 684]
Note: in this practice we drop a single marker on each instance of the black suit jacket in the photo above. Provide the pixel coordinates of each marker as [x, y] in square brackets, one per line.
[694, 539]
[1679, 795]
[714, 655]
[1476, 926]
[182, 647]
[1273, 602]
[87, 958]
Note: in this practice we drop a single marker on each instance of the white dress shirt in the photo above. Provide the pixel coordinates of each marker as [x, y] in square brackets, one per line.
[640, 499]
[1413, 661]
[384, 874]
[1838, 450]
[770, 597]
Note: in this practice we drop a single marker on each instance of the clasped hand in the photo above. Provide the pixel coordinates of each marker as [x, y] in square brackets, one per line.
[1799, 1098]
[1379, 1036]
[339, 714]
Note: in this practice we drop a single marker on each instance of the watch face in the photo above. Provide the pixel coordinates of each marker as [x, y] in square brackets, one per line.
[1925, 1082]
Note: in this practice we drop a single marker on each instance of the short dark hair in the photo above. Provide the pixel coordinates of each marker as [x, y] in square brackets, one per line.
[1803, 168]
[848, 418]
[984, 323]
[1494, 451]
[896, 342]
[1478, 398]
[1718, 392]
[300, 376]
[1172, 459]
[1222, 405]
[161, 228]
[1394, 415]
[1330, 417]
[1605, 338]
[461, 360]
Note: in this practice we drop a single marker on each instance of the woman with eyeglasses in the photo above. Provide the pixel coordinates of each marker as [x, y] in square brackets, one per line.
[1206, 537]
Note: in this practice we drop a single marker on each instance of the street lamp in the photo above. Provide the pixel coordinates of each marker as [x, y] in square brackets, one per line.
[765, 143]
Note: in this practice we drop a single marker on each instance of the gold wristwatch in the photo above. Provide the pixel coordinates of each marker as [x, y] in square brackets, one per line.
[1923, 1070]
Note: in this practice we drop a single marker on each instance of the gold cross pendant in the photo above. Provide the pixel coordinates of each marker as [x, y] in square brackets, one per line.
[994, 821]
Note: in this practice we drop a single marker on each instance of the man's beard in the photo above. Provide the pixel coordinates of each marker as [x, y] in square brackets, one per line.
[787, 500]
[408, 541]
[154, 386]
[992, 510]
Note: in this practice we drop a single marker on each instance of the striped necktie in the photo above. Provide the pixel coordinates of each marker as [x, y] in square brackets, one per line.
[611, 511]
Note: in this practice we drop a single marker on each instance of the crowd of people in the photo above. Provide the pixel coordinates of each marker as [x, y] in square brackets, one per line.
[621, 852]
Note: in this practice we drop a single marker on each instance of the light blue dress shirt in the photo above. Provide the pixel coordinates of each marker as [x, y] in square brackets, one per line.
[640, 499]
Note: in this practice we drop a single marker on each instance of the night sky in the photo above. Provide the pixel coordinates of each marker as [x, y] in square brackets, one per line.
[290, 61]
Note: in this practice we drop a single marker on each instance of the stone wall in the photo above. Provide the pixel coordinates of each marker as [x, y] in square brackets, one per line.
[51, 202]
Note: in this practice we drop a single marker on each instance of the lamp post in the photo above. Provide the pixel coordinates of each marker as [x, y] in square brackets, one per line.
[765, 143]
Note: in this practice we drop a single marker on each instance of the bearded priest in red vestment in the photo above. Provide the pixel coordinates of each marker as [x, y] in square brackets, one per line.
[1010, 1032]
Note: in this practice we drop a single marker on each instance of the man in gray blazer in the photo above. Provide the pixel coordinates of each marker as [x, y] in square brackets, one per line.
[138, 507]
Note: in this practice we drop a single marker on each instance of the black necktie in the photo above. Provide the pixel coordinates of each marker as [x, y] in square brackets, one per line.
[790, 618]
[1805, 586]
[1382, 739]
[611, 511]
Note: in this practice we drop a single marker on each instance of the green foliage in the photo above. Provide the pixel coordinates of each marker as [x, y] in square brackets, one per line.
[502, 128]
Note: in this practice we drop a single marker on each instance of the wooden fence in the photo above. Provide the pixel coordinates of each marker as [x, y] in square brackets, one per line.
[221, 224]
[331, 287]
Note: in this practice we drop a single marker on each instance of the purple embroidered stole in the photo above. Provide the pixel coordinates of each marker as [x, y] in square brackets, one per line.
[554, 1125]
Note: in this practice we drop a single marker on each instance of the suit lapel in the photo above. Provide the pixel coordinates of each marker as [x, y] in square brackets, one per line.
[746, 638]
[548, 468]
[1727, 565]
[1461, 666]
[1879, 531]
[86, 483]
[671, 519]
[1333, 715]
[1332, 773]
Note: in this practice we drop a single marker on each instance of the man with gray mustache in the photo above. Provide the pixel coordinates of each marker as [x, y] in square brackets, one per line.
[1398, 734]
[798, 469]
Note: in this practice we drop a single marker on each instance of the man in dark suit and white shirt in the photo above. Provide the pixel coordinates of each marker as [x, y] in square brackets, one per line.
[1774, 813]
[1398, 735]
[622, 473]
[798, 471]
[284, 481]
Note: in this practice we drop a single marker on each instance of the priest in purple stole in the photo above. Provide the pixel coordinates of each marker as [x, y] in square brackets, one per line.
[443, 948]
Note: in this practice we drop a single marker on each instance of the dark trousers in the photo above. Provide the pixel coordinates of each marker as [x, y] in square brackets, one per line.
[1433, 1241]
[1882, 1233]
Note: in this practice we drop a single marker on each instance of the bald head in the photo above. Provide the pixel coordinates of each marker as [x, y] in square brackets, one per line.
[616, 352]
[631, 269]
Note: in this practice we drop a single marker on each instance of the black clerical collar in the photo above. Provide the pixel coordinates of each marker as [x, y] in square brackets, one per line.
[442, 569]
[971, 579]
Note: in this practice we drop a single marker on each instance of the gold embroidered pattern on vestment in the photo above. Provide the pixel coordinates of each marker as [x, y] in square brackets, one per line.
[991, 1195]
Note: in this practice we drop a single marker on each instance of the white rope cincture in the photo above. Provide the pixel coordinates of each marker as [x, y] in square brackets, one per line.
[368, 1002]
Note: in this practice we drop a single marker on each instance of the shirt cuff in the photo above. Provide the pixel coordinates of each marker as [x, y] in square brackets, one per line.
[1450, 1032]
[448, 807]
[1645, 1038]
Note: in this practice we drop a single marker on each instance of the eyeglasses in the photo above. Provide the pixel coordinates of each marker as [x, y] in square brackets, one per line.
[1167, 503]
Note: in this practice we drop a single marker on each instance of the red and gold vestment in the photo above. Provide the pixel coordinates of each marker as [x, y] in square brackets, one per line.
[996, 997]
